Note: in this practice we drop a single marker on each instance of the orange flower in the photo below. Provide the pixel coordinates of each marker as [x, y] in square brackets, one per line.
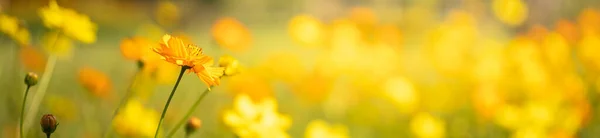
[175, 51]
[32, 59]
[231, 34]
[95, 81]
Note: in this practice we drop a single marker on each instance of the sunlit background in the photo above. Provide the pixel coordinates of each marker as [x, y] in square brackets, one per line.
[306, 68]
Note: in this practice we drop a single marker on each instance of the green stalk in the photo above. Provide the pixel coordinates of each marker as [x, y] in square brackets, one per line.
[121, 103]
[23, 112]
[188, 114]
[162, 116]
[41, 91]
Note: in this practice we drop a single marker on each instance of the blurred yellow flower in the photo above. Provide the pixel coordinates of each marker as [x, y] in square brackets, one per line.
[95, 81]
[256, 119]
[283, 66]
[231, 65]
[588, 51]
[321, 129]
[12, 28]
[402, 92]
[307, 30]
[450, 43]
[134, 120]
[389, 34]
[511, 12]
[588, 21]
[62, 107]
[487, 99]
[249, 83]
[32, 59]
[424, 125]
[556, 50]
[57, 44]
[231, 34]
[8, 24]
[150, 31]
[69, 22]
[167, 13]
[174, 50]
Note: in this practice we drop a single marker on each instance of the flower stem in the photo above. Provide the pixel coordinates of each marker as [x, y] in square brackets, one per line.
[121, 103]
[162, 116]
[41, 90]
[189, 113]
[23, 112]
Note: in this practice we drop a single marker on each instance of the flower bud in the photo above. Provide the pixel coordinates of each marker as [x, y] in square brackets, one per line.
[192, 125]
[31, 79]
[48, 124]
[230, 64]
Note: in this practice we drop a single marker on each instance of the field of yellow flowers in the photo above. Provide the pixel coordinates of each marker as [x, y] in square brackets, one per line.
[299, 68]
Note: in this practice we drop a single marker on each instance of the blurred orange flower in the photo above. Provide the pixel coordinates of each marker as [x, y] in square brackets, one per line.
[32, 59]
[256, 87]
[95, 81]
[588, 21]
[568, 30]
[175, 51]
[231, 34]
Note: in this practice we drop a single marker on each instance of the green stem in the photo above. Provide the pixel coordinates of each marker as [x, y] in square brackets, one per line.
[121, 103]
[23, 111]
[41, 91]
[162, 116]
[44, 82]
[188, 114]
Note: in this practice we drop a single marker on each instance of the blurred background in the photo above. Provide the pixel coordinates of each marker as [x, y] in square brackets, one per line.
[307, 68]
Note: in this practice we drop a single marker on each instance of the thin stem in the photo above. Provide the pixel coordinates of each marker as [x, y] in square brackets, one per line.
[23, 112]
[47, 135]
[41, 91]
[188, 114]
[121, 103]
[44, 82]
[162, 116]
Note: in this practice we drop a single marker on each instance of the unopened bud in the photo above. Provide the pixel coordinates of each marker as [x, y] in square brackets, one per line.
[192, 125]
[31, 79]
[231, 65]
[48, 124]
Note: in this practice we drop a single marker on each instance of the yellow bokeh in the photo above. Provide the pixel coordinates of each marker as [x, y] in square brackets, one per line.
[135, 120]
[57, 44]
[322, 129]
[167, 13]
[307, 30]
[69, 22]
[256, 119]
[424, 125]
[510, 12]
[231, 34]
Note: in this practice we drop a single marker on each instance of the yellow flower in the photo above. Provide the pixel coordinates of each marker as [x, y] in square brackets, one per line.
[231, 65]
[424, 125]
[95, 82]
[231, 34]
[167, 13]
[250, 84]
[306, 30]
[252, 119]
[511, 12]
[13, 29]
[402, 92]
[321, 129]
[8, 24]
[588, 21]
[62, 107]
[134, 120]
[175, 51]
[57, 44]
[69, 22]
